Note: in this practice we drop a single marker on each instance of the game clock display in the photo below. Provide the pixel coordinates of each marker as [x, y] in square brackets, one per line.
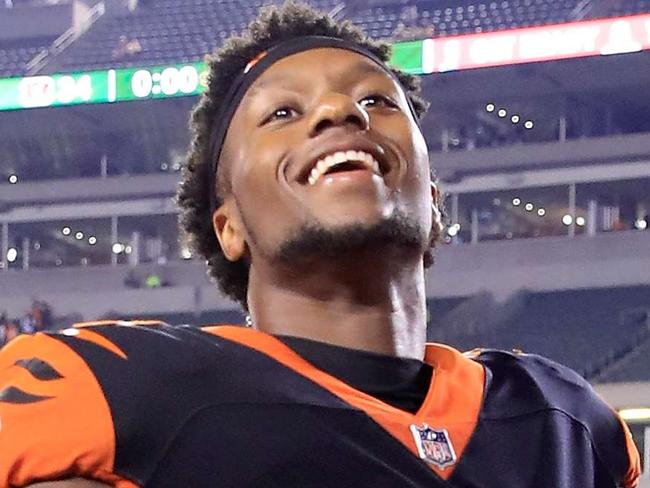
[105, 86]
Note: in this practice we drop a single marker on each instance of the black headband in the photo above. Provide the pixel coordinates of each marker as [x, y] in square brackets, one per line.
[252, 71]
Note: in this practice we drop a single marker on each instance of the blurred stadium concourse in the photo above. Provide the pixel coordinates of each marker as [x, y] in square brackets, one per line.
[539, 129]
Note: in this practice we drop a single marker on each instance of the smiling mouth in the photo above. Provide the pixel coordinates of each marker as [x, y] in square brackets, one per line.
[342, 161]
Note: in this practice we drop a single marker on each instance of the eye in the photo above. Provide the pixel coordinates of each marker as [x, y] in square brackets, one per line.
[279, 113]
[377, 100]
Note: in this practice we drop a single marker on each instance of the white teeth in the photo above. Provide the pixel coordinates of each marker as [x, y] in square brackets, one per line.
[339, 157]
[322, 165]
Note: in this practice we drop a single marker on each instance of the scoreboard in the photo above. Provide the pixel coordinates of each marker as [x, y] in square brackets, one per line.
[104, 86]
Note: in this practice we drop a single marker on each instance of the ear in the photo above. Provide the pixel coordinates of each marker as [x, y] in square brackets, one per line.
[228, 228]
[435, 210]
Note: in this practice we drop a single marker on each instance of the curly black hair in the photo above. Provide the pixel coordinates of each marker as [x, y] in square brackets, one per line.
[273, 25]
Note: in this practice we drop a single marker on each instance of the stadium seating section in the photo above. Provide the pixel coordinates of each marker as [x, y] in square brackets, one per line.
[175, 31]
[629, 7]
[166, 31]
[634, 366]
[14, 56]
[602, 333]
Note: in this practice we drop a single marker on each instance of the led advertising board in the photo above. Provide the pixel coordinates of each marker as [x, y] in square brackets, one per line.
[552, 42]
[105, 86]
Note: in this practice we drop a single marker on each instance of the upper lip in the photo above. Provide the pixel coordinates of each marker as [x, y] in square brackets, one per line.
[354, 143]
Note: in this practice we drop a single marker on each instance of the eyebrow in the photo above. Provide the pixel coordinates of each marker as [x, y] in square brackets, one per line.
[359, 68]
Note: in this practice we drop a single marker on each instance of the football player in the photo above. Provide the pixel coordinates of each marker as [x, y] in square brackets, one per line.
[309, 193]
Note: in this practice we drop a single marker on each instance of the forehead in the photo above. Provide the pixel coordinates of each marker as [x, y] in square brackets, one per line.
[329, 63]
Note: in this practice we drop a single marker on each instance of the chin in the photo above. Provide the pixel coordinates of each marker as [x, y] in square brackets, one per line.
[349, 232]
[353, 213]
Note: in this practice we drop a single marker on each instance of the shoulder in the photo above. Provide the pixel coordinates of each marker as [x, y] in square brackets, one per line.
[546, 382]
[54, 416]
[519, 384]
[72, 401]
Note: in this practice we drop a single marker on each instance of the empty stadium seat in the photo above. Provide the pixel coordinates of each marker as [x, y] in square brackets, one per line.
[170, 30]
[584, 329]
[15, 56]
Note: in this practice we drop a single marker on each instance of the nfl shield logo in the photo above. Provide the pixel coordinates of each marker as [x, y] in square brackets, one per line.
[434, 445]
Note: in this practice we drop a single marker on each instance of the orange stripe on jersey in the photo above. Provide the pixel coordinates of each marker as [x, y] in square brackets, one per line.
[56, 423]
[452, 403]
[633, 474]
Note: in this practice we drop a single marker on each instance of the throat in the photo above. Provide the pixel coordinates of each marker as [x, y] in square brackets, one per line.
[402, 383]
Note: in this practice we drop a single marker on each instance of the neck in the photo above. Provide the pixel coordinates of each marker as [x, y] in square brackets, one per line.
[372, 302]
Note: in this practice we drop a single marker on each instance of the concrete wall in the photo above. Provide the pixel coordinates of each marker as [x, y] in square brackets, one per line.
[543, 264]
[626, 147]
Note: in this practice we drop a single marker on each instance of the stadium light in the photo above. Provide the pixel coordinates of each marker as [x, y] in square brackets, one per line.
[541, 212]
[502, 112]
[516, 201]
[489, 107]
[529, 124]
[13, 179]
[567, 219]
[92, 240]
[186, 253]
[12, 254]
[66, 231]
[529, 207]
[117, 248]
[641, 224]
[79, 235]
[635, 413]
[580, 221]
[514, 119]
[453, 230]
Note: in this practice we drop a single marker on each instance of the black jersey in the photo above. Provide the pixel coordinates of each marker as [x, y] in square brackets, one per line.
[161, 406]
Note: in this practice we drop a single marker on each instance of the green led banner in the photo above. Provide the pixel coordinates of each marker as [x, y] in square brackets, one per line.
[106, 86]
[407, 56]
[120, 85]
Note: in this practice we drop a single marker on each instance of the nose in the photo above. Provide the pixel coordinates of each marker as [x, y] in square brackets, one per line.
[337, 109]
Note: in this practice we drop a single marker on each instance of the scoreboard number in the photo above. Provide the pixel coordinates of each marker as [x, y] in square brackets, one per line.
[169, 82]
[37, 91]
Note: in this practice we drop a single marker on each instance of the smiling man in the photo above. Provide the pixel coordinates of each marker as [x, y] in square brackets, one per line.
[308, 191]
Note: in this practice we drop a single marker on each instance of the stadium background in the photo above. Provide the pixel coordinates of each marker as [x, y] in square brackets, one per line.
[538, 129]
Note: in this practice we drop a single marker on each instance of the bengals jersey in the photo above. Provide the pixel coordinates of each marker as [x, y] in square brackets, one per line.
[162, 406]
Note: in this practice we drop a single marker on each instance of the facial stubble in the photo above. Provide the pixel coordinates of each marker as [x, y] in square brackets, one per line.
[396, 235]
